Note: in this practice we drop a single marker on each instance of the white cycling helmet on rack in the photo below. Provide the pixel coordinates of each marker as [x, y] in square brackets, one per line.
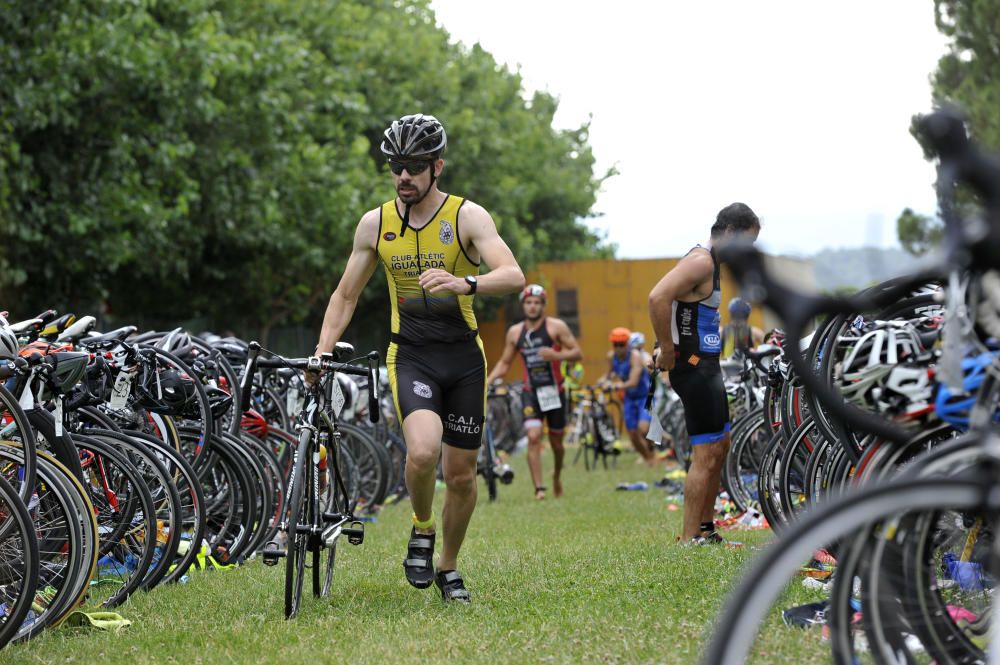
[873, 357]
[8, 340]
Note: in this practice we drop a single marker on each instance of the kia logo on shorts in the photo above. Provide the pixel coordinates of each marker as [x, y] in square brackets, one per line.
[712, 340]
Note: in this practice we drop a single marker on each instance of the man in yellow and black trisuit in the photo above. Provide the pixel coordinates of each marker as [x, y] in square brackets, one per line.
[431, 245]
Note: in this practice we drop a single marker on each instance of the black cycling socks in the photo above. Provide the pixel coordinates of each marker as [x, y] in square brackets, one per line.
[708, 527]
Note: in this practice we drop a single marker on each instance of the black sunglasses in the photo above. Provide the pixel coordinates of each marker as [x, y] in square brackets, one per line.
[619, 343]
[413, 168]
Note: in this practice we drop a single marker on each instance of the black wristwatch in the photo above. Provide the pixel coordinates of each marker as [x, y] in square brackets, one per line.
[472, 282]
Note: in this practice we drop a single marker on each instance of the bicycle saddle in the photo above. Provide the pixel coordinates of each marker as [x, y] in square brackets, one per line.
[74, 332]
[56, 327]
[107, 340]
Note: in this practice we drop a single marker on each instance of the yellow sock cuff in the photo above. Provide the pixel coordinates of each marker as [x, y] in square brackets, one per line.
[426, 524]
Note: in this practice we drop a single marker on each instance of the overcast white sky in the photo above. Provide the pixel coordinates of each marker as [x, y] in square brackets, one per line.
[799, 108]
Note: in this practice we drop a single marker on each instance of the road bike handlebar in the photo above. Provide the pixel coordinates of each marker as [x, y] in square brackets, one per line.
[324, 363]
[796, 309]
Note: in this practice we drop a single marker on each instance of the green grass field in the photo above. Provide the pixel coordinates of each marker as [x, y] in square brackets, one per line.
[593, 577]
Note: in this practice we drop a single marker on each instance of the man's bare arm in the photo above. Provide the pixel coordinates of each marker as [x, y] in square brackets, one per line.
[682, 281]
[359, 269]
[480, 232]
[509, 350]
[635, 370]
[570, 349]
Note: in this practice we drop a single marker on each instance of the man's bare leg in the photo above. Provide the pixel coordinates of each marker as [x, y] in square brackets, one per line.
[708, 515]
[459, 502]
[641, 445]
[422, 432]
[535, 459]
[702, 485]
[558, 454]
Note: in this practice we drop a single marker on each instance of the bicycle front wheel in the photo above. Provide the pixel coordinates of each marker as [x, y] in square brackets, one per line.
[298, 539]
[490, 464]
[762, 583]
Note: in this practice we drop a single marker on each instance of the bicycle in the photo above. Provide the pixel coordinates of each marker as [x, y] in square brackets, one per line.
[917, 552]
[503, 411]
[593, 427]
[319, 506]
[489, 465]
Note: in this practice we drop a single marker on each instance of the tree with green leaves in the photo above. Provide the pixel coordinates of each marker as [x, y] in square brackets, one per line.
[966, 76]
[210, 158]
[918, 233]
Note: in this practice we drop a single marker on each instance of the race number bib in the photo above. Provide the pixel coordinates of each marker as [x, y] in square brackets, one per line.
[293, 403]
[337, 397]
[120, 391]
[548, 398]
[58, 414]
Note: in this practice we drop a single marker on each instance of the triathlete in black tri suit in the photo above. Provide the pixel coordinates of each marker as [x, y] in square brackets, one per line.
[544, 342]
[430, 244]
[684, 310]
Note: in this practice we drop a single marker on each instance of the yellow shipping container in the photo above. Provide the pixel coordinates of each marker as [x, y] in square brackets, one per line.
[594, 296]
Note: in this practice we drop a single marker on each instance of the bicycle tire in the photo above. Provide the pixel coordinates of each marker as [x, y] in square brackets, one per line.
[761, 584]
[372, 461]
[118, 529]
[164, 492]
[16, 427]
[19, 546]
[70, 540]
[295, 556]
[191, 503]
[489, 464]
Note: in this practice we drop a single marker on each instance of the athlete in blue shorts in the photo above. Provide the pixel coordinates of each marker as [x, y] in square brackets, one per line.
[626, 372]
[684, 310]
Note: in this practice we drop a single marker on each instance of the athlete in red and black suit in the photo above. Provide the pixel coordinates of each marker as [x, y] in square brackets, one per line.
[544, 342]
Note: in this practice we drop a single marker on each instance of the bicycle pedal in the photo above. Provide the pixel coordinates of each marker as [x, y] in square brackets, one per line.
[355, 533]
[270, 556]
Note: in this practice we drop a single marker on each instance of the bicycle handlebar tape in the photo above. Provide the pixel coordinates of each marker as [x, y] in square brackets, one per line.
[653, 373]
[945, 132]
[246, 386]
[373, 386]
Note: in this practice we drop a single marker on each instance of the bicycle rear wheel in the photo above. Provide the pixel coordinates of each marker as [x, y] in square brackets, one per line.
[16, 428]
[372, 462]
[331, 502]
[126, 516]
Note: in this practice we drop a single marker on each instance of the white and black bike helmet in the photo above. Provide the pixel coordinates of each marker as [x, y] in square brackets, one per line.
[8, 340]
[873, 356]
[414, 138]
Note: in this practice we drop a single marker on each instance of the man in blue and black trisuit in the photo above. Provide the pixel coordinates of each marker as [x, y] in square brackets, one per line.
[684, 310]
